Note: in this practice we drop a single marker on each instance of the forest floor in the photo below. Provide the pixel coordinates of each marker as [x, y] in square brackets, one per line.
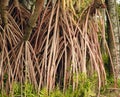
[111, 93]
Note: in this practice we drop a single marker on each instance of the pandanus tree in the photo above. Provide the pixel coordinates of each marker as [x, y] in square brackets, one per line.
[52, 43]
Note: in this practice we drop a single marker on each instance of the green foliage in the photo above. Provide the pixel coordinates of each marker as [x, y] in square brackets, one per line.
[85, 4]
[118, 82]
[105, 58]
[110, 82]
[26, 90]
[29, 91]
[5, 77]
[3, 94]
[16, 89]
[86, 88]
[82, 6]
[107, 90]
[56, 93]
[77, 6]
[44, 92]
[106, 62]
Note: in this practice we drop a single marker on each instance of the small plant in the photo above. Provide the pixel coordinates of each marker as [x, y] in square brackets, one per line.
[43, 92]
[57, 93]
[16, 89]
[3, 94]
[86, 87]
[29, 91]
[26, 90]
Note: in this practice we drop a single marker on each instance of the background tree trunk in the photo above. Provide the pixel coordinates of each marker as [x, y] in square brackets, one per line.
[113, 30]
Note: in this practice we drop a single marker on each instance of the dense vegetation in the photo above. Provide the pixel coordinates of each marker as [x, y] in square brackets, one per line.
[56, 48]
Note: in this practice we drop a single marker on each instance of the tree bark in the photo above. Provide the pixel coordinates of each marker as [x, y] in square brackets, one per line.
[3, 11]
[33, 19]
[113, 35]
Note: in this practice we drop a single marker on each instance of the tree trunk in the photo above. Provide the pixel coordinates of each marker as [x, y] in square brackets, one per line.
[33, 19]
[113, 35]
[3, 11]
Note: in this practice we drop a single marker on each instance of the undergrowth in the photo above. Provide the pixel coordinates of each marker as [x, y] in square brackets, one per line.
[86, 88]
